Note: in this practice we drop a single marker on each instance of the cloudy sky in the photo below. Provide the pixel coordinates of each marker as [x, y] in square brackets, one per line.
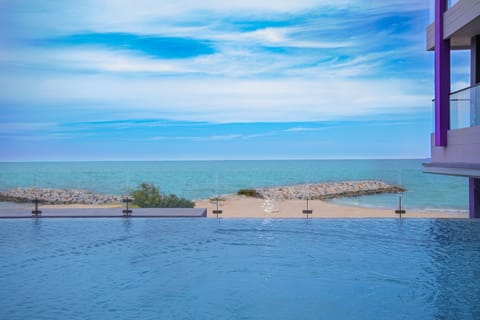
[215, 79]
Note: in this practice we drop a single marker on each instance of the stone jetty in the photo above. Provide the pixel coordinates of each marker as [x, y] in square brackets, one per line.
[328, 190]
[58, 196]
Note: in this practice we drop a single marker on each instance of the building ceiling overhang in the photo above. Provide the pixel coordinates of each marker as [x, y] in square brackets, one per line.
[461, 23]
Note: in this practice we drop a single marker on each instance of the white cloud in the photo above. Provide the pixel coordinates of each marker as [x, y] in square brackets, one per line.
[225, 137]
[37, 17]
[91, 59]
[305, 129]
[220, 100]
[228, 62]
[239, 83]
[20, 127]
[45, 137]
[275, 37]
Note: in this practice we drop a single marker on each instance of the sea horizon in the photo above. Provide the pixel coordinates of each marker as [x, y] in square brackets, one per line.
[214, 159]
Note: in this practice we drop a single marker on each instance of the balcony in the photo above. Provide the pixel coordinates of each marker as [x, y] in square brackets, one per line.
[461, 156]
[461, 23]
[465, 108]
[432, 9]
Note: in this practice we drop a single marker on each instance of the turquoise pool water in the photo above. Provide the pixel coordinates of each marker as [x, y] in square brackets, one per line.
[239, 269]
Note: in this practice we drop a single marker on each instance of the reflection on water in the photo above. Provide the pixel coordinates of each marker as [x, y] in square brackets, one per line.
[239, 269]
[455, 253]
[127, 224]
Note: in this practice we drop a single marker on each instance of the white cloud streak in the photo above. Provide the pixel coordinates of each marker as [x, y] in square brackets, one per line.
[220, 100]
[54, 17]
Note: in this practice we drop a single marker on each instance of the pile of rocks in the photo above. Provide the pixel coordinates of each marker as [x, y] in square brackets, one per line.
[329, 190]
[57, 196]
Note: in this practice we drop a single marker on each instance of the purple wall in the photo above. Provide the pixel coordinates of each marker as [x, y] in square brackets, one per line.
[474, 190]
[442, 77]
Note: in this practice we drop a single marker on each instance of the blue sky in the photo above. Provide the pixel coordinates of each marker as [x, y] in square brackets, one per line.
[252, 79]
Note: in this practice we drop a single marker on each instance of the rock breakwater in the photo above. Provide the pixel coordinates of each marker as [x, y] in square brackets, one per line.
[57, 196]
[316, 191]
[328, 190]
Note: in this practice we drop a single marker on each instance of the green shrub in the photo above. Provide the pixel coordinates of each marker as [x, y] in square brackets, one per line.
[248, 193]
[149, 196]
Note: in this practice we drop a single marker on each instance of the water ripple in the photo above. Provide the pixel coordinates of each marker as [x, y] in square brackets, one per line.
[239, 269]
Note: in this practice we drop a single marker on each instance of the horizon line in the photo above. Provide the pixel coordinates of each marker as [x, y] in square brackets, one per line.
[206, 160]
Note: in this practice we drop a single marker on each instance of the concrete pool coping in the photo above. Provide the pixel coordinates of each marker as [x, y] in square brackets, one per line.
[104, 213]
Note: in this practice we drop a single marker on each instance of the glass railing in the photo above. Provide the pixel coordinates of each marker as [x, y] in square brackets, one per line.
[465, 108]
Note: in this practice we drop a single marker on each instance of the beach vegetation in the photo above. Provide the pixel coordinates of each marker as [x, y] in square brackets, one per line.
[149, 196]
[248, 193]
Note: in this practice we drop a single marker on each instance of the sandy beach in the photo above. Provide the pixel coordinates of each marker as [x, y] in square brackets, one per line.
[234, 206]
[246, 207]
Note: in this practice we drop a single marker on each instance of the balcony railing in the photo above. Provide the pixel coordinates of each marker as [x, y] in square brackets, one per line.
[465, 108]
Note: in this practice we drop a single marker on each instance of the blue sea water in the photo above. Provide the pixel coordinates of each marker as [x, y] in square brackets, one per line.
[202, 179]
[239, 269]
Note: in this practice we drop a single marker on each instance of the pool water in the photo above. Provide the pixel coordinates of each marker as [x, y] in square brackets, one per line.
[239, 269]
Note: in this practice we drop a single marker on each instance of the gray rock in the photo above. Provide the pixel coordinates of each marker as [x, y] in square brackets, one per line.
[329, 190]
[57, 196]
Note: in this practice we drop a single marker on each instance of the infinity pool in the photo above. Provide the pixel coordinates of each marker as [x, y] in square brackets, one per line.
[239, 269]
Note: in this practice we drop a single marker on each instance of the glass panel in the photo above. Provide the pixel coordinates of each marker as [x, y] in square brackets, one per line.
[465, 108]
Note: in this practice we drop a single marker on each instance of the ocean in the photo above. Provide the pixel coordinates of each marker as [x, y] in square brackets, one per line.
[203, 179]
